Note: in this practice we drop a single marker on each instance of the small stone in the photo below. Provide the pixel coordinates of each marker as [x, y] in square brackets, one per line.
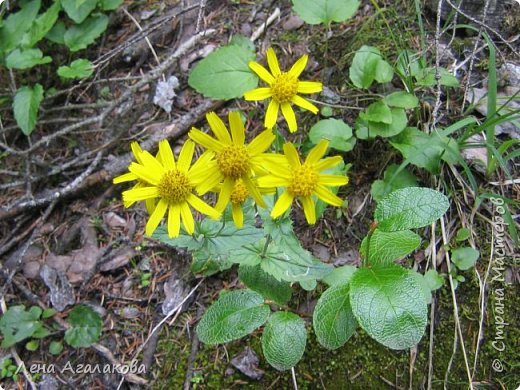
[292, 23]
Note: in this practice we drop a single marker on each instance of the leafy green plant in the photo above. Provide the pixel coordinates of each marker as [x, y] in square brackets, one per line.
[85, 328]
[9, 370]
[325, 11]
[18, 324]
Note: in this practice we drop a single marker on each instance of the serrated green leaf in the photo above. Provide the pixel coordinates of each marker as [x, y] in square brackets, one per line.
[283, 340]
[234, 315]
[464, 258]
[78, 69]
[336, 131]
[384, 72]
[42, 25]
[410, 208]
[398, 124]
[401, 99]
[26, 105]
[85, 328]
[55, 347]
[393, 179]
[332, 319]
[224, 74]
[270, 288]
[362, 72]
[80, 36]
[25, 59]
[389, 305]
[78, 10]
[340, 275]
[17, 24]
[378, 112]
[17, 324]
[386, 247]
[325, 11]
[110, 5]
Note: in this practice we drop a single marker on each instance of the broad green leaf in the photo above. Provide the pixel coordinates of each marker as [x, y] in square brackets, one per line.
[78, 69]
[386, 247]
[110, 5]
[17, 24]
[42, 25]
[17, 324]
[426, 78]
[32, 345]
[397, 125]
[245, 42]
[410, 208]
[423, 284]
[339, 275]
[393, 179]
[234, 315]
[25, 59]
[378, 112]
[78, 10]
[401, 99]
[283, 340]
[80, 36]
[332, 319]
[433, 279]
[362, 72]
[463, 234]
[57, 33]
[48, 313]
[55, 347]
[208, 263]
[384, 72]
[464, 258]
[325, 11]
[26, 105]
[336, 131]
[389, 305]
[270, 288]
[85, 328]
[224, 74]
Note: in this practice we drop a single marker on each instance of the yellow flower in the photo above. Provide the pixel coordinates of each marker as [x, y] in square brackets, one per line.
[302, 181]
[283, 88]
[239, 194]
[234, 159]
[173, 183]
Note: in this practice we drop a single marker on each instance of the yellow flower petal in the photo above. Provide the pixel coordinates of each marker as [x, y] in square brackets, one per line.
[174, 221]
[305, 104]
[282, 204]
[272, 61]
[328, 197]
[147, 174]
[187, 218]
[166, 153]
[202, 207]
[292, 154]
[261, 142]
[261, 72]
[278, 168]
[272, 114]
[129, 176]
[328, 162]
[272, 181]
[237, 128]
[225, 194]
[253, 190]
[185, 156]
[309, 209]
[211, 180]
[205, 140]
[289, 116]
[150, 205]
[258, 94]
[309, 87]
[202, 165]
[138, 194]
[317, 152]
[156, 217]
[298, 67]
[238, 215]
[218, 127]
[136, 150]
[332, 180]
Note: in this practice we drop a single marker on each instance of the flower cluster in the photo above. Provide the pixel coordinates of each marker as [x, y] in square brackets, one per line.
[233, 168]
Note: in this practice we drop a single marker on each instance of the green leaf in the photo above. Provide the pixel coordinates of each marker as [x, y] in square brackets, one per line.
[332, 319]
[384, 72]
[78, 10]
[409, 208]
[463, 234]
[224, 74]
[80, 36]
[78, 69]
[55, 347]
[17, 324]
[433, 280]
[386, 247]
[394, 178]
[57, 33]
[325, 11]
[401, 99]
[339, 275]
[48, 313]
[426, 78]
[464, 258]
[25, 59]
[283, 340]
[397, 125]
[32, 345]
[389, 305]
[270, 288]
[423, 284]
[17, 24]
[336, 131]
[26, 105]
[378, 112]
[42, 25]
[234, 315]
[110, 5]
[362, 72]
[242, 41]
[85, 328]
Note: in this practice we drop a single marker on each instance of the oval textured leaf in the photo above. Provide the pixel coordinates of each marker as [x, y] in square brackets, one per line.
[386, 247]
[234, 315]
[283, 340]
[410, 208]
[389, 305]
[333, 320]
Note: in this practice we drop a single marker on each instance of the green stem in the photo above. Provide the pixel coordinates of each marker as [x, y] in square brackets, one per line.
[267, 242]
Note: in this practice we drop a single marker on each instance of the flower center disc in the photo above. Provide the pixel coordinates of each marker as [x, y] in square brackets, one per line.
[239, 193]
[284, 88]
[174, 187]
[233, 161]
[304, 181]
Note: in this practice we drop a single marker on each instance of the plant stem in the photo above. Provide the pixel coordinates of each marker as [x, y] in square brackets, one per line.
[268, 240]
